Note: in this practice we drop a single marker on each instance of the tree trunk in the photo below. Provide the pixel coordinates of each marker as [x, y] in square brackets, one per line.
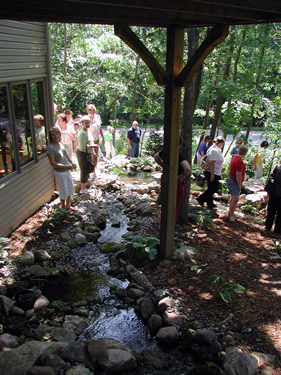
[135, 89]
[253, 104]
[65, 52]
[220, 101]
[190, 100]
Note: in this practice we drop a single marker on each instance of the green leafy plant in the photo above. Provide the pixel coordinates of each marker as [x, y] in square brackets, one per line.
[198, 267]
[277, 245]
[248, 208]
[119, 292]
[3, 246]
[57, 304]
[142, 247]
[57, 215]
[55, 271]
[221, 288]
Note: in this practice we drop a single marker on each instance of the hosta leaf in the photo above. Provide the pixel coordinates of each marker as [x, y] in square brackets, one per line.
[225, 296]
[238, 288]
[214, 278]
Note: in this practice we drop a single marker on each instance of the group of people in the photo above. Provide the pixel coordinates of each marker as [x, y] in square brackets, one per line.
[82, 135]
[236, 177]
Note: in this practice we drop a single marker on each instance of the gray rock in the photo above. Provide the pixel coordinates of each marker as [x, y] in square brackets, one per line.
[92, 237]
[167, 335]
[116, 224]
[158, 295]
[97, 350]
[154, 359]
[204, 336]
[41, 303]
[8, 341]
[37, 270]
[17, 310]
[41, 370]
[27, 259]
[135, 293]
[79, 370]
[76, 230]
[144, 209]
[164, 303]
[65, 236]
[146, 308]
[66, 249]
[154, 323]
[18, 361]
[56, 333]
[52, 360]
[187, 252]
[41, 256]
[90, 227]
[72, 244]
[75, 352]
[118, 362]
[173, 318]
[215, 348]
[80, 239]
[238, 363]
[7, 304]
[74, 323]
[110, 247]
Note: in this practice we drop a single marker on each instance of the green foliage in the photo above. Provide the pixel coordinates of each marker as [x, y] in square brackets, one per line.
[57, 215]
[222, 289]
[143, 160]
[197, 268]
[155, 142]
[203, 217]
[119, 292]
[142, 247]
[55, 271]
[3, 246]
[58, 304]
[277, 245]
[248, 208]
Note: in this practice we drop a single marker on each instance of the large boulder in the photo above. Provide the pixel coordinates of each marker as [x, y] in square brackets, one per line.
[118, 362]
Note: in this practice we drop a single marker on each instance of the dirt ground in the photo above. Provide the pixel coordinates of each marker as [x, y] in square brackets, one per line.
[238, 251]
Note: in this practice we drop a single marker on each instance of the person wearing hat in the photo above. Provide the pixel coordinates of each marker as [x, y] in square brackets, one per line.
[108, 143]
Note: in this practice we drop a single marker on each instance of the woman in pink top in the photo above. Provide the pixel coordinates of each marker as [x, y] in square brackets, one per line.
[235, 178]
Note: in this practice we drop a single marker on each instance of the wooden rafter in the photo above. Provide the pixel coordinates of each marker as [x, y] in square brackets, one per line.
[218, 33]
[130, 38]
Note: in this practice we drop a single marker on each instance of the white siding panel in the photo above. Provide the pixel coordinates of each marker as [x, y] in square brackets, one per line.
[19, 40]
[25, 194]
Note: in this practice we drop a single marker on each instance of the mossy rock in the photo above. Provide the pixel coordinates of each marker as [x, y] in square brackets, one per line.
[100, 222]
[110, 247]
[212, 369]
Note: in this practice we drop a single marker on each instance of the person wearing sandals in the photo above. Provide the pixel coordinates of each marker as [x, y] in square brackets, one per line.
[214, 174]
[62, 165]
[86, 146]
[235, 178]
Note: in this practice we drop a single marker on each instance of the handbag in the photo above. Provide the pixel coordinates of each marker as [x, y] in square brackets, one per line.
[205, 163]
[90, 166]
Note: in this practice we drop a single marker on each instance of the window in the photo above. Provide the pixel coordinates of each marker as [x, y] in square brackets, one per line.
[7, 160]
[22, 125]
[39, 116]
[23, 128]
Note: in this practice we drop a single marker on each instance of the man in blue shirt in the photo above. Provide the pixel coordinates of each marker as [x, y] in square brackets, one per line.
[133, 138]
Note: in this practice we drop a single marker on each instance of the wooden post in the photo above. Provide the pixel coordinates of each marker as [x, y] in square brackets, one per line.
[174, 63]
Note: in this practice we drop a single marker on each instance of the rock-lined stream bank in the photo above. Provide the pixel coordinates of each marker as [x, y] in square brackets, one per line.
[70, 334]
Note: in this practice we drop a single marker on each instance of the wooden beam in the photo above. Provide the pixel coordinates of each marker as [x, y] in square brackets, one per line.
[218, 33]
[129, 37]
[174, 63]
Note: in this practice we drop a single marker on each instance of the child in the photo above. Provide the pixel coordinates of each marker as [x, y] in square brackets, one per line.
[62, 165]
[108, 138]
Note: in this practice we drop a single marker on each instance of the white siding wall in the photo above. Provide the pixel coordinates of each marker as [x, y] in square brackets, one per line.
[22, 51]
[23, 56]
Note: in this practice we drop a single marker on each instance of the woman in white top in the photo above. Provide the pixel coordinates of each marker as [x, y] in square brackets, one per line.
[68, 133]
[214, 174]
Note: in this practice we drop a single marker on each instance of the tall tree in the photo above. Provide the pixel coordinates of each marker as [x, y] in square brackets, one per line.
[191, 95]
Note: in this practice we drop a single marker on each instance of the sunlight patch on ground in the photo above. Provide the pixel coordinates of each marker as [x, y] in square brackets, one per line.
[264, 277]
[237, 257]
[273, 332]
[276, 291]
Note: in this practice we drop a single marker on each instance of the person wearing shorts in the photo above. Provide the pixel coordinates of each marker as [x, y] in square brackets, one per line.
[235, 178]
